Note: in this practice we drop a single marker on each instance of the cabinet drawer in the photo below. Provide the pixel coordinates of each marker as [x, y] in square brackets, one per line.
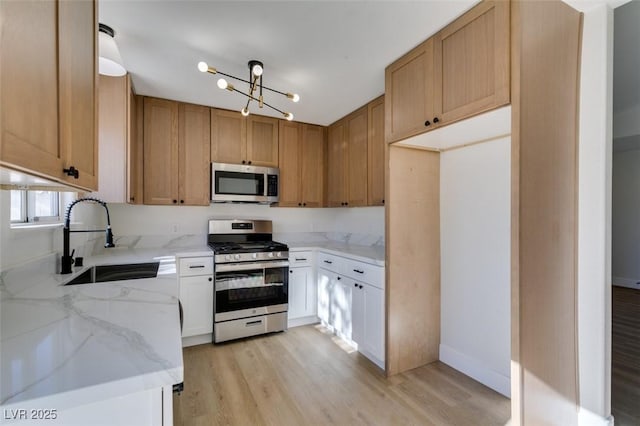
[331, 262]
[300, 258]
[365, 272]
[195, 266]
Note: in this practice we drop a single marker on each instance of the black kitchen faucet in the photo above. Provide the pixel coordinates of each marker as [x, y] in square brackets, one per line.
[67, 259]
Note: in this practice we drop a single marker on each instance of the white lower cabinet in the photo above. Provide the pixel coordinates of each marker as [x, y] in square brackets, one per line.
[303, 289]
[195, 281]
[351, 303]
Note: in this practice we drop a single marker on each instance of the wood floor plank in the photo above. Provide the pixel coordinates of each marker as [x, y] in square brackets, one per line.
[304, 376]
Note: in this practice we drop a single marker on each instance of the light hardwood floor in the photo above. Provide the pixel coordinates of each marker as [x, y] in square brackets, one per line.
[305, 377]
[625, 356]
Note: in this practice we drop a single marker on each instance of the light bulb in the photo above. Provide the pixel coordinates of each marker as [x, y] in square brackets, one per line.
[222, 83]
[293, 96]
[288, 116]
[257, 70]
[202, 66]
[245, 111]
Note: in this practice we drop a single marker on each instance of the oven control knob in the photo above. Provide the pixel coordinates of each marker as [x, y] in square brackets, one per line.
[237, 257]
[254, 255]
[279, 254]
[270, 254]
[228, 257]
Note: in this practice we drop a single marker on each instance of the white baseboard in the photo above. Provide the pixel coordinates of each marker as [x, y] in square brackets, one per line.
[626, 282]
[297, 322]
[476, 370]
[197, 340]
[588, 418]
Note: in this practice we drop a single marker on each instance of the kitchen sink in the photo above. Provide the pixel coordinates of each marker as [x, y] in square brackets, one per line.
[105, 273]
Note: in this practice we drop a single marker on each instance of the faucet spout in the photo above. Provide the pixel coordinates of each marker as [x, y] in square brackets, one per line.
[67, 258]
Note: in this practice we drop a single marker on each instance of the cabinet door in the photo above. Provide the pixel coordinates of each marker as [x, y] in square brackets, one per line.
[193, 153]
[196, 296]
[262, 141]
[357, 129]
[341, 312]
[29, 81]
[160, 151]
[376, 165]
[336, 165]
[290, 167]
[373, 320]
[357, 313]
[78, 60]
[113, 135]
[472, 62]
[409, 93]
[312, 158]
[297, 292]
[324, 296]
[135, 178]
[228, 136]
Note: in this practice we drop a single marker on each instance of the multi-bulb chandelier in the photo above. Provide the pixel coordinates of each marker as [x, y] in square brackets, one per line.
[255, 83]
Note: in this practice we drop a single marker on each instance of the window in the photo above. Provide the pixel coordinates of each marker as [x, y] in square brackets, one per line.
[34, 206]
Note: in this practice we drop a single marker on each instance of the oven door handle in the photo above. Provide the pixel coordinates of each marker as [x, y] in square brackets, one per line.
[232, 267]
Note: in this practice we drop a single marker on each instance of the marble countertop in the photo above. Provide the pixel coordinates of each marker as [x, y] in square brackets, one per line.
[65, 346]
[368, 254]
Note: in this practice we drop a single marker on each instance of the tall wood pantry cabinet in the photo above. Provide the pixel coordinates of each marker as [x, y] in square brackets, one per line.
[48, 67]
[176, 153]
[243, 140]
[461, 71]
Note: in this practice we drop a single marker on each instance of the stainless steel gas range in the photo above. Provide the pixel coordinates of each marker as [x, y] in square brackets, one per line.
[251, 279]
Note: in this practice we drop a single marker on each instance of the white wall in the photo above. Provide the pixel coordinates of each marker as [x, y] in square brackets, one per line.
[626, 218]
[475, 236]
[160, 220]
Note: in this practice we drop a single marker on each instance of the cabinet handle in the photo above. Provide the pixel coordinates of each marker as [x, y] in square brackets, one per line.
[181, 201]
[243, 162]
[383, 201]
[360, 286]
[427, 123]
[355, 285]
[249, 162]
[302, 259]
[328, 261]
[210, 279]
[175, 201]
[195, 266]
[304, 204]
[358, 271]
[346, 204]
[299, 204]
[132, 198]
[339, 278]
[436, 120]
[290, 271]
[72, 171]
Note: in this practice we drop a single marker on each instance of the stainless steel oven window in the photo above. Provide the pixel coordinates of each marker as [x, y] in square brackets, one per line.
[250, 288]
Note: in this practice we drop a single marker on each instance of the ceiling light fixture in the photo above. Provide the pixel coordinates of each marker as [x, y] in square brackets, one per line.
[256, 69]
[110, 62]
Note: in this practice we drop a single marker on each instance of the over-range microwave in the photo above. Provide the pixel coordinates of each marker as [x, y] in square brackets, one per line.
[244, 183]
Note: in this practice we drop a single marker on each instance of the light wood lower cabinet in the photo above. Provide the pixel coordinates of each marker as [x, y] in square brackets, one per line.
[48, 71]
[302, 151]
[176, 153]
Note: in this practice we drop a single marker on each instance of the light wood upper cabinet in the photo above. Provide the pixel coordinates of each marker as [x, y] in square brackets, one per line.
[461, 71]
[193, 154]
[228, 136]
[290, 168]
[337, 164]
[48, 67]
[409, 93]
[243, 140]
[302, 151]
[160, 151]
[472, 62]
[176, 153]
[357, 130]
[262, 141]
[376, 165]
[314, 144]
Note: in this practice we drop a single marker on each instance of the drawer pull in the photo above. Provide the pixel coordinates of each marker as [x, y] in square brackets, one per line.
[250, 323]
[301, 259]
[328, 261]
[195, 266]
[358, 271]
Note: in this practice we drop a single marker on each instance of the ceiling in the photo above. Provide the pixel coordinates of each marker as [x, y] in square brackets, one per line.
[332, 53]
